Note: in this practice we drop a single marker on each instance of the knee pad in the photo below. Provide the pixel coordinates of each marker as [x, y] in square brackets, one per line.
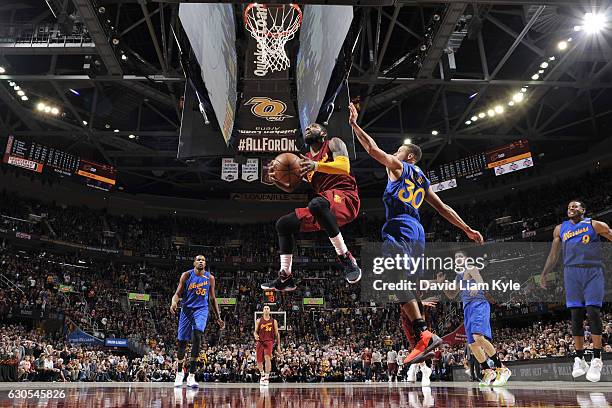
[594, 315]
[318, 206]
[288, 224]
[182, 346]
[577, 321]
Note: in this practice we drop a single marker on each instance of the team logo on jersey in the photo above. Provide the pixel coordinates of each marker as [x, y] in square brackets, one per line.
[571, 234]
[337, 198]
[269, 109]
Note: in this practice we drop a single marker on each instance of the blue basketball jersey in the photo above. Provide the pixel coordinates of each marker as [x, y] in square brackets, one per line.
[404, 196]
[466, 294]
[581, 244]
[196, 290]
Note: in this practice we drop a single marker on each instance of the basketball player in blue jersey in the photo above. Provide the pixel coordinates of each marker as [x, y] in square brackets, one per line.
[407, 189]
[477, 320]
[196, 286]
[583, 277]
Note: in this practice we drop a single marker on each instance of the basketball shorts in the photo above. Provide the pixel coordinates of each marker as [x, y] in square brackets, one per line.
[477, 319]
[405, 236]
[584, 286]
[344, 204]
[263, 348]
[191, 319]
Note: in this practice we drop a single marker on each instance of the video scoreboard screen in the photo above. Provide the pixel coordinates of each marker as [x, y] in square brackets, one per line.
[502, 160]
[38, 158]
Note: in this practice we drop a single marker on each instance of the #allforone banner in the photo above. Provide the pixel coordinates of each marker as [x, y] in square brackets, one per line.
[229, 169]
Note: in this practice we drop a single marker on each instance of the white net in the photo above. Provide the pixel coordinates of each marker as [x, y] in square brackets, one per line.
[272, 26]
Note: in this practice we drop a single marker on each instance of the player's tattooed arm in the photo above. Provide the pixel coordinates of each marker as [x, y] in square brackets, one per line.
[338, 147]
[340, 164]
[553, 256]
[213, 299]
[178, 294]
[603, 229]
[451, 216]
[388, 160]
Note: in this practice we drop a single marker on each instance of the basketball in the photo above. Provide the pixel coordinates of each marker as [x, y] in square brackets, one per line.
[286, 167]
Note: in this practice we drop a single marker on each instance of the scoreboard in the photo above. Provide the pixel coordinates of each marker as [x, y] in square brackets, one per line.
[38, 158]
[467, 167]
[498, 161]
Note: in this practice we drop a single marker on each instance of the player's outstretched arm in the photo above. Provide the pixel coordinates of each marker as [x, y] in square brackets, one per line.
[553, 256]
[213, 299]
[388, 160]
[451, 216]
[601, 228]
[178, 294]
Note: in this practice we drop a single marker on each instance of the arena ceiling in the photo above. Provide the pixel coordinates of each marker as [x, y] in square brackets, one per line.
[129, 115]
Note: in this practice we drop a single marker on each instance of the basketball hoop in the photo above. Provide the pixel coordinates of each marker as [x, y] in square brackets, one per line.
[272, 26]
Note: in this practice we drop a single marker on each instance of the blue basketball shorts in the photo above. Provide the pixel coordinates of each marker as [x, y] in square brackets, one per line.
[584, 286]
[190, 320]
[477, 319]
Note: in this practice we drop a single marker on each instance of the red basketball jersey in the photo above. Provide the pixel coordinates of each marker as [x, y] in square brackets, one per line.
[266, 329]
[323, 181]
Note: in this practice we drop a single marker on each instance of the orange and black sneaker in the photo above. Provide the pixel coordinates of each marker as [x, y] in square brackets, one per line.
[426, 344]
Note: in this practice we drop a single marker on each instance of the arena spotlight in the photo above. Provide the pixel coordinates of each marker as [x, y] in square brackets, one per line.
[468, 122]
[474, 118]
[47, 109]
[17, 88]
[523, 90]
[535, 76]
[2, 70]
[84, 123]
[518, 97]
[491, 113]
[511, 103]
[552, 58]
[11, 83]
[24, 98]
[541, 71]
[132, 136]
[593, 23]
[482, 115]
[116, 130]
[407, 141]
[544, 65]
[20, 93]
[54, 111]
[562, 45]
[499, 109]
[434, 132]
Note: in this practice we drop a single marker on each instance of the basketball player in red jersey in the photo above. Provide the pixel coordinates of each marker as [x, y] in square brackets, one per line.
[327, 168]
[266, 330]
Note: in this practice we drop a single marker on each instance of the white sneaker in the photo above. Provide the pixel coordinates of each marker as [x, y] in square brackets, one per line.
[264, 380]
[594, 373]
[502, 376]
[488, 377]
[178, 380]
[426, 372]
[191, 382]
[580, 367]
[412, 372]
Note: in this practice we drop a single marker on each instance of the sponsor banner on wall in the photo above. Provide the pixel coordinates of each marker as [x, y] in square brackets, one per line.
[313, 301]
[277, 197]
[113, 342]
[456, 337]
[250, 170]
[229, 169]
[80, 337]
[514, 166]
[144, 297]
[445, 185]
[227, 301]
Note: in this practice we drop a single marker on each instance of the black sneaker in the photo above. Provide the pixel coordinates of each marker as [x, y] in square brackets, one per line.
[284, 283]
[352, 271]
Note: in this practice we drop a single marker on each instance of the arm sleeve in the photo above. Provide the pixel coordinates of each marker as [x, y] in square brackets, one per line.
[340, 165]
